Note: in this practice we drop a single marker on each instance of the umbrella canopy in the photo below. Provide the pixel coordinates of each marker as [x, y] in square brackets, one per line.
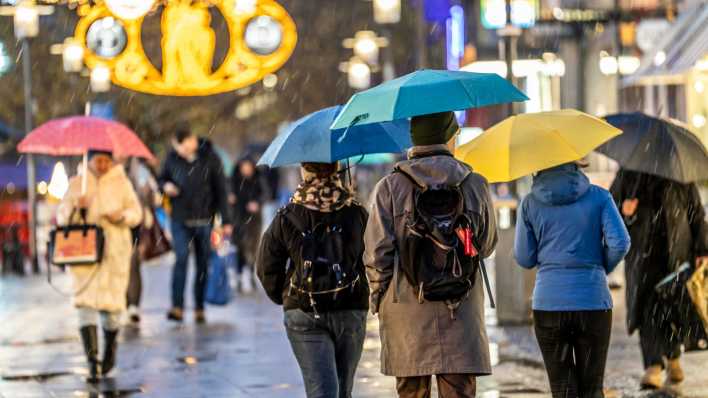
[657, 146]
[527, 143]
[427, 91]
[311, 140]
[77, 135]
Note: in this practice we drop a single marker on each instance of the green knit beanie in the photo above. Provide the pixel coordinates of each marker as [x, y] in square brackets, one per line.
[434, 128]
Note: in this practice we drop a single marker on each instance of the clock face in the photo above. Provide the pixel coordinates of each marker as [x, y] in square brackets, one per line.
[263, 35]
[106, 37]
[130, 9]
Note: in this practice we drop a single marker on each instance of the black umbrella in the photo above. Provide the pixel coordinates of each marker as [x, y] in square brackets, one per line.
[657, 146]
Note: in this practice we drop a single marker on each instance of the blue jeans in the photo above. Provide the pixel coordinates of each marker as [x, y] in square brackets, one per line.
[327, 349]
[182, 237]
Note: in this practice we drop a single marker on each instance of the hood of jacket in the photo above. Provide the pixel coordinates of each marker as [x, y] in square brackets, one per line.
[560, 185]
[431, 165]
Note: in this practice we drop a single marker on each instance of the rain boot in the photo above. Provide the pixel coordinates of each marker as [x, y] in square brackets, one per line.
[109, 353]
[89, 338]
[674, 371]
[652, 378]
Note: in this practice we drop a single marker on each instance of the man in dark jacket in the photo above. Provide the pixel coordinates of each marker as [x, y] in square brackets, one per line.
[327, 338]
[193, 179]
[456, 348]
[667, 224]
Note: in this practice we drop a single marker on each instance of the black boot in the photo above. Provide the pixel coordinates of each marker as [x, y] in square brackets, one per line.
[90, 341]
[109, 354]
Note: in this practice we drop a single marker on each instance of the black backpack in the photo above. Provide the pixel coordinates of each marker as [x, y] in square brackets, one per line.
[322, 273]
[435, 259]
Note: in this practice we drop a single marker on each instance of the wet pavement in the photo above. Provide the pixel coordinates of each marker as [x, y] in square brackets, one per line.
[241, 352]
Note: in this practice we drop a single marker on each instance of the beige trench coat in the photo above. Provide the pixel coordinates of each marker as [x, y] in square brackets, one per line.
[104, 287]
[422, 339]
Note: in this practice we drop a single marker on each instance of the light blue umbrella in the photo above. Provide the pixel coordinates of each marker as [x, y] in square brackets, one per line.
[311, 140]
[426, 91]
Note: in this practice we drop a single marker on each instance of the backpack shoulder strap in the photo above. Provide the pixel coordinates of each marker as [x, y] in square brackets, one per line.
[409, 177]
[291, 217]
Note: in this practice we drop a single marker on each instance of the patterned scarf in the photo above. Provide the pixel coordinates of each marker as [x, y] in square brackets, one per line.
[322, 194]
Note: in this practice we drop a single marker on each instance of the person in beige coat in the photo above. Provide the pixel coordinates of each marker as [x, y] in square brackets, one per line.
[110, 202]
[420, 338]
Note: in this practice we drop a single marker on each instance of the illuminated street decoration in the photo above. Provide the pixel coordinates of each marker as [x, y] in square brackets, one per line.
[130, 9]
[262, 38]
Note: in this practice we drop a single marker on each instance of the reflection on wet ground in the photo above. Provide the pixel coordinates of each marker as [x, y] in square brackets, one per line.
[36, 376]
[243, 352]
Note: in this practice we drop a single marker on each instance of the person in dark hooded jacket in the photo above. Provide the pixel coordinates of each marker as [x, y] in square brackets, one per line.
[572, 231]
[248, 192]
[327, 338]
[667, 223]
[193, 178]
[422, 339]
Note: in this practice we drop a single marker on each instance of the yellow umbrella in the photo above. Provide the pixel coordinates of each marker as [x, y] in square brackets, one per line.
[530, 142]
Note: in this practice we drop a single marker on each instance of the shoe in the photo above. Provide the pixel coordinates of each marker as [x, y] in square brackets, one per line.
[247, 280]
[199, 317]
[134, 315]
[674, 371]
[89, 338]
[109, 352]
[652, 378]
[175, 314]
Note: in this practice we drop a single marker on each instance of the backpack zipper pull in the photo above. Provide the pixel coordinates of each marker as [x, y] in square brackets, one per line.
[313, 304]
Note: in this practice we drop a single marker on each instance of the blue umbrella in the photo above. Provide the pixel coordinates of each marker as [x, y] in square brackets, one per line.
[311, 140]
[427, 91]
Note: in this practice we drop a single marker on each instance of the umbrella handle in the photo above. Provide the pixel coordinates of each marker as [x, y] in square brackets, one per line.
[352, 124]
[84, 173]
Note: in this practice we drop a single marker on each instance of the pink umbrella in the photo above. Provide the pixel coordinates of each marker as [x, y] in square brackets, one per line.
[74, 136]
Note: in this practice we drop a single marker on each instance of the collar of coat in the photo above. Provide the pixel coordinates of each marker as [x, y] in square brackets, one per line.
[422, 151]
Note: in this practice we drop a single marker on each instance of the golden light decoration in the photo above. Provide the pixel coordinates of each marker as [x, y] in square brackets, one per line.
[188, 46]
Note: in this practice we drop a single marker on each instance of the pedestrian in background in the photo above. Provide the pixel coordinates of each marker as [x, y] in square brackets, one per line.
[110, 202]
[422, 335]
[248, 193]
[323, 291]
[572, 231]
[145, 186]
[667, 223]
[193, 179]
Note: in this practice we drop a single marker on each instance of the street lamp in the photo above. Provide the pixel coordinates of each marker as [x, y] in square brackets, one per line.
[358, 73]
[100, 79]
[366, 45]
[26, 20]
[624, 64]
[387, 11]
[72, 56]
[26, 26]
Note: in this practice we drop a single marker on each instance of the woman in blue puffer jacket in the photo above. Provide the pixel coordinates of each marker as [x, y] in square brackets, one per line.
[572, 231]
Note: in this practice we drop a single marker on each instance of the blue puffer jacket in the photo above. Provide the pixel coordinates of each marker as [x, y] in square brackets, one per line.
[573, 232]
